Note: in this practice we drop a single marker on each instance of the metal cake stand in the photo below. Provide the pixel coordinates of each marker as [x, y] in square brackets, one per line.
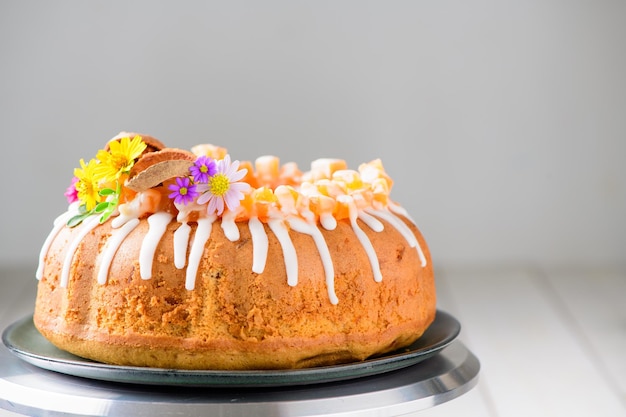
[33, 391]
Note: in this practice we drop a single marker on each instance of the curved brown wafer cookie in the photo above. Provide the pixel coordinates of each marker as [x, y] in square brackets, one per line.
[153, 168]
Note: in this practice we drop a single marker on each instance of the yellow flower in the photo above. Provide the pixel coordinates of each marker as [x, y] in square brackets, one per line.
[87, 185]
[119, 159]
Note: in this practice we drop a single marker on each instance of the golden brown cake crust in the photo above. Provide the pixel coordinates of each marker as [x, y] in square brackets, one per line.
[235, 318]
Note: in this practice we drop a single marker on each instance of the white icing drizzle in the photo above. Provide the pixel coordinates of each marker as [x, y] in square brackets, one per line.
[400, 210]
[203, 232]
[86, 226]
[259, 244]
[128, 220]
[401, 227]
[310, 229]
[231, 231]
[181, 243]
[365, 241]
[371, 221]
[58, 224]
[111, 247]
[289, 251]
[328, 221]
[158, 224]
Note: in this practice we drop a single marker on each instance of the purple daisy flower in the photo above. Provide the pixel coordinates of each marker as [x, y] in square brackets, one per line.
[183, 191]
[202, 169]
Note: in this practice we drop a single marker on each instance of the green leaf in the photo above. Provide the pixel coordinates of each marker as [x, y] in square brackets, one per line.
[76, 220]
[101, 207]
[106, 191]
[105, 216]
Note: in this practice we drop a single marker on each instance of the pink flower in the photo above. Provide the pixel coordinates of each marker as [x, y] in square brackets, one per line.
[72, 193]
[224, 187]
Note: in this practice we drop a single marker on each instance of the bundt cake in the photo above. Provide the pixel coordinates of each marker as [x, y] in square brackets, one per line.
[190, 260]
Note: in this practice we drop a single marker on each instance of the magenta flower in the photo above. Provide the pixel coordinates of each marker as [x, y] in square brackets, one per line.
[183, 191]
[202, 169]
[72, 193]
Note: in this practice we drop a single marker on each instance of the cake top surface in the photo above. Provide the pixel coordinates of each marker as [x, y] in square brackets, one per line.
[136, 175]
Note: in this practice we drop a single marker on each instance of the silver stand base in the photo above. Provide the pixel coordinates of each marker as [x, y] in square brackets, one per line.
[29, 390]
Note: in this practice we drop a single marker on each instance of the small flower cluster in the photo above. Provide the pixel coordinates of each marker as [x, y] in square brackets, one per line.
[97, 184]
[216, 183]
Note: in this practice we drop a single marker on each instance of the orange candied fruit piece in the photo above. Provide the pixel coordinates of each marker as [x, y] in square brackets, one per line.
[212, 151]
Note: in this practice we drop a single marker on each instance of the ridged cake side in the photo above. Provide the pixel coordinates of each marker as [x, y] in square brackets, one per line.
[235, 318]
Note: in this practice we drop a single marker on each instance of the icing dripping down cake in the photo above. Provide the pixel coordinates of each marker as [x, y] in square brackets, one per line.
[191, 260]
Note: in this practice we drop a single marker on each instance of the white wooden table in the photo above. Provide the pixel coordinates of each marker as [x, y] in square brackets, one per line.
[551, 342]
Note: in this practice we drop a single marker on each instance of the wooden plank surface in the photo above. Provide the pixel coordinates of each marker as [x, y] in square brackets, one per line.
[593, 303]
[476, 402]
[533, 362]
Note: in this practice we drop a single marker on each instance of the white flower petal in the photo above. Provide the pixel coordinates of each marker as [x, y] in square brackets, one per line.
[204, 198]
[236, 176]
[232, 200]
[225, 163]
[240, 186]
[211, 206]
[219, 205]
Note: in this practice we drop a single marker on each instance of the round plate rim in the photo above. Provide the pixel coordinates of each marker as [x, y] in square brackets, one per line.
[79, 367]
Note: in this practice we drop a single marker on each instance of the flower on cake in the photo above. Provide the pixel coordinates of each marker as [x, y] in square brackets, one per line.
[202, 169]
[224, 188]
[215, 184]
[71, 193]
[211, 183]
[99, 183]
[87, 184]
[120, 157]
[183, 192]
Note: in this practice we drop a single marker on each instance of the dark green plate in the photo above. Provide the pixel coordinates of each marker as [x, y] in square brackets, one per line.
[23, 340]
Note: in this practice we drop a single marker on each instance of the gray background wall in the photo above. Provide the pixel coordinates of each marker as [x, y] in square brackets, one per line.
[503, 123]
